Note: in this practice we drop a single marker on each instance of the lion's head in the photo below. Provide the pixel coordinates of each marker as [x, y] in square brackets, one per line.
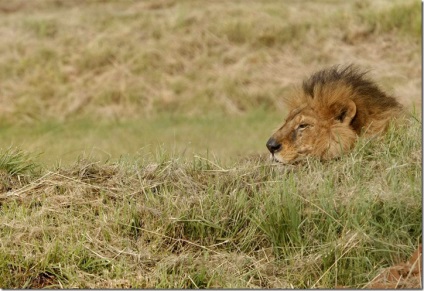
[329, 112]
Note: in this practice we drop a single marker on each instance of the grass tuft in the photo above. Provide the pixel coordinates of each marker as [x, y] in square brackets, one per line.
[16, 162]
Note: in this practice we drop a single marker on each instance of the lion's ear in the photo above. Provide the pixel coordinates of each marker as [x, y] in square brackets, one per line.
[346, 112]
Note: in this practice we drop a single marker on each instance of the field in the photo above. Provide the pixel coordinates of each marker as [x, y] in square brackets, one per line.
[132, 145]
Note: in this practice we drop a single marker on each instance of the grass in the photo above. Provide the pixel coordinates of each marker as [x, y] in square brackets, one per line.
[187, 58]
[403, 18]
[64, 78]
[106, 140]
[132, 145]
[165, 222]
[16, 162]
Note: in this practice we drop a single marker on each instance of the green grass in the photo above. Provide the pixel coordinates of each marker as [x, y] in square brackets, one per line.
[404, 19]
[62, 142]
[15, 162]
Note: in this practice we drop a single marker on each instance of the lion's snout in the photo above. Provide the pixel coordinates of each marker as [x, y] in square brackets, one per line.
[273, 145]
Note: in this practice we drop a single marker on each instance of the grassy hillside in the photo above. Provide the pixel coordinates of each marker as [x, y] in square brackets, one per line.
[132, 145]
[161, 222]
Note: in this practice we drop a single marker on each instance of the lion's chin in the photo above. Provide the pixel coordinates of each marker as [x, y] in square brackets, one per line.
[277, 159]
[280, 160]
[273, 159]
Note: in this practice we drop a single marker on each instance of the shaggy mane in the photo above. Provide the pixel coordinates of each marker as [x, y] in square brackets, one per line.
[333, 87]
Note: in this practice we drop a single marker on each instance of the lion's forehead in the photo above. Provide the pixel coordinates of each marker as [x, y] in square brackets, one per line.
[301, 115]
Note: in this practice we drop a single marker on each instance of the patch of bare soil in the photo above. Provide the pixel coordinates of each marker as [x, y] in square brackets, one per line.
[402, 276]
[43, 280]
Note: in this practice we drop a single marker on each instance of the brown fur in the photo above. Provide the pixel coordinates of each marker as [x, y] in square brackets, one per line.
[326, 116]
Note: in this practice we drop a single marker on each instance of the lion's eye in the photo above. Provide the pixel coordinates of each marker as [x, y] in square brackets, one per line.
[302, 126]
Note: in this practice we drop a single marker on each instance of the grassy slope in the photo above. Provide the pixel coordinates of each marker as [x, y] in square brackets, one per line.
[158, 81]
[163, 222]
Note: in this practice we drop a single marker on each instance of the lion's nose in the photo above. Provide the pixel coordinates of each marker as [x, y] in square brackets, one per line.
[273, 146]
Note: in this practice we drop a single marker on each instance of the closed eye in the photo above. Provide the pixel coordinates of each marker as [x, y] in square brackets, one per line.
[302, 126]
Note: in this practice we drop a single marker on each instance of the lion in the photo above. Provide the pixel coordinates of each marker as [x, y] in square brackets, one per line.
[327, 115]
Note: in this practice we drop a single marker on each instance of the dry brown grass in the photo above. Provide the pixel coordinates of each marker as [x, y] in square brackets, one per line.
[114, 59]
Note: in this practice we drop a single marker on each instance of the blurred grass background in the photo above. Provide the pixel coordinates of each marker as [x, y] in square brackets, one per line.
[112, 77]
